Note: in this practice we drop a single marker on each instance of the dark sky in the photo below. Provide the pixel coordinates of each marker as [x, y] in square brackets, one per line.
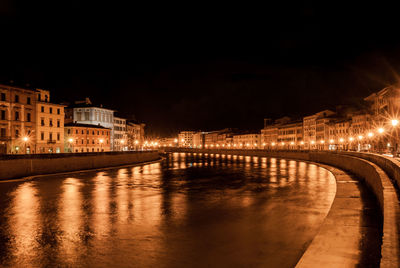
[202, 66]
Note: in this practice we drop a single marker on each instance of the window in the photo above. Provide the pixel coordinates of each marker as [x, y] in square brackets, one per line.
[87, 116]
[58, 123]
[42, 109]
[28, 100]
[50, 136]
[58, 136]
[50, 122]
[2, 132]
[3, 96]
[82, 142]
[16, 98]
[92, 132]
[82, 133]
[50, 110]
[69, 131]
[28, 117]
[42, 121]
[87, 141]
[58, 111]
[42, 136]
[98, 132]
[16, 133]
[3, 115]
[16, 116]
[39, 97]
[87, 132]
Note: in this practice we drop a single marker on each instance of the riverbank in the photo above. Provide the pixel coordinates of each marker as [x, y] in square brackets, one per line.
[20, 166]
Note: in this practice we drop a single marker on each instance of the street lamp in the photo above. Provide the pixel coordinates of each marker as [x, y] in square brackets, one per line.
[25, 139]
[101, 144]
[70, 141]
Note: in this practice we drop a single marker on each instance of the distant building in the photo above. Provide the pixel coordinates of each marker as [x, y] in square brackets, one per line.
[120, 137]
[135, 134]
[248, 141]
[198, 140]
[185, 138]
[49, 124]
[316, 129]
[290, 135]
[84, 112]
[82, 138]
[17, 120]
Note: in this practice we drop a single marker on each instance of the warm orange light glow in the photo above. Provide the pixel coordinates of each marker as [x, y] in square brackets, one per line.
[322, 141]
[360, 137]
[282, 143]
[341, 140]
[292, 143]
[122, 141]
[101, 140]
[331, 141]
[351, 139]
[25, 139]
[136, 142]
[381, 130]
[395, 122]
[273, 144]
[370, 134]
[302, 142]
[70, 140]
[176, 140]
[312, 142]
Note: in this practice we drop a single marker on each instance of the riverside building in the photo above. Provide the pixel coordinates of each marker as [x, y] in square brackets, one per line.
[84, 112]
[85, 138]
[49, 124]
[17, 120]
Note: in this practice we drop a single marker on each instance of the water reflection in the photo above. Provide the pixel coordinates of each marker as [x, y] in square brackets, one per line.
[191, 210]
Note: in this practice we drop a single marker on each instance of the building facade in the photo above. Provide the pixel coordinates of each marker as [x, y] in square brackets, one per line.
[248, 141]
[185, 138]
[17, 120]
[120, 138]
[85, 138]
[135, 134]
[49, 124]
[290, 136]
[84, 112]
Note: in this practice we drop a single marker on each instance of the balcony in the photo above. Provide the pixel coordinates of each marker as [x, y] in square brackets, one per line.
[51, 141]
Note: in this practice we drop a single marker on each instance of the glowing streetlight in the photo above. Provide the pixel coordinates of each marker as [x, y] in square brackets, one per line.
[322, 141]
[302, 142]
[312, 142]
[282, 143]
[292, 143]
[273, 144]
[25, 139]
[370, 134]
[331, 141]
[341, 140]
[360, 137]
[351, 139]
[381, 130]
[101, 140]
[395, 122]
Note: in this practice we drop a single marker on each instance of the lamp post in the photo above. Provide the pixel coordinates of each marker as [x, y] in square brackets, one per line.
[101, 144]
[394, 122]
[25, 139]
[70, 141]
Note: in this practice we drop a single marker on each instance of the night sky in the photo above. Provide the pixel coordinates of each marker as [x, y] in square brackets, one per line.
[202, 67]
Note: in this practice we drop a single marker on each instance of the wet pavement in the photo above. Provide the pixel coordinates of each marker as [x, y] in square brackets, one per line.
[187, 211]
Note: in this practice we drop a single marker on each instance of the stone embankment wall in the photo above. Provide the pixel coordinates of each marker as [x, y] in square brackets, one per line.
[17, 166]
[380, 173]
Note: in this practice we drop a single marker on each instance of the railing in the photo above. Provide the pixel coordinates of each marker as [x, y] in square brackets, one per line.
[51, 141]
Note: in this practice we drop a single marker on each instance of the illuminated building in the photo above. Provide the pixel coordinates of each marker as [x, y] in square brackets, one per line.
[135, 134]
[84, 112]
[17, 119]
[85, 138]
[120, 136]
[49, 124]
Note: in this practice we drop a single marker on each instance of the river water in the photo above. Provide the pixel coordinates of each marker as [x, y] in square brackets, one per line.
[190, 210]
